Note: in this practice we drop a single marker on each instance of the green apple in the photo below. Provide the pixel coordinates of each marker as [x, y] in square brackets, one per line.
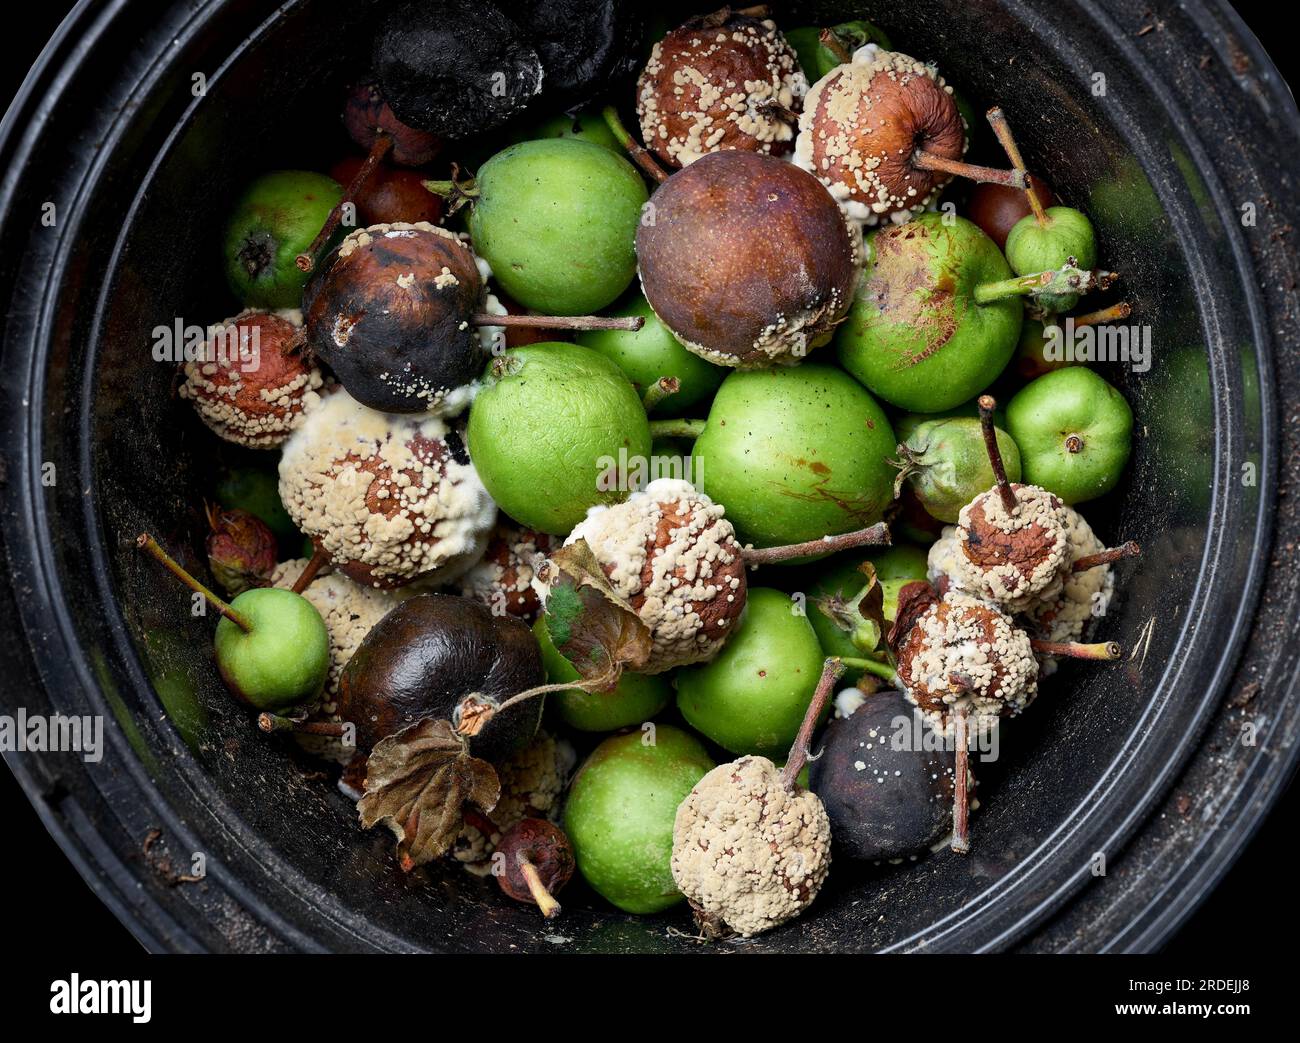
[916, 335]
[652, 352]
[284, 657]
[1075, 433]
[753, 696]
[795, 454]
[947, 464]
[550, 431]
[557, 219]
[274, 221]
[620, 812]
[1064, 236]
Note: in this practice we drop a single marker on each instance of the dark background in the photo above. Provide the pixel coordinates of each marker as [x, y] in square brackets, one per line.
[1226, 925]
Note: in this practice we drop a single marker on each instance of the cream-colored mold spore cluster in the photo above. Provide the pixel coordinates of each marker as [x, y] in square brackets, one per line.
[390, 498]
[463, 276]
[1083, 595]
[253, 386]
[669, 551]
[532, 782]
[860, 125]
[749, 854]
[790, 338]
[709, 87]
[503, 580]
[1063, 611]
[349, 610]
[964, 655]
[1017, 558]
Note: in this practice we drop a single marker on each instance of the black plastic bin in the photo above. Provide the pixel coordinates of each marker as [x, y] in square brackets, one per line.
[1144, 762]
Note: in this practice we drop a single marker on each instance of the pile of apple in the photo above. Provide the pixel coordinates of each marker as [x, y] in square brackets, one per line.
[536, 426]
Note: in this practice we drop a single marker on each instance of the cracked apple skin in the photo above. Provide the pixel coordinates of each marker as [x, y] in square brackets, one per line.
[796, 454]
[426, 655]
[747, 260]
[915, 335]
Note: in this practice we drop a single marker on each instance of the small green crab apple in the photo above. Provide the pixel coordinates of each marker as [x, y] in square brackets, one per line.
[272, 646]
[938, 313]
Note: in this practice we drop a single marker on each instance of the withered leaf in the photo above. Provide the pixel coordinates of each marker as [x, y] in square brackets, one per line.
[588, 622]
[871, 610]
[418, 782]
[859, 613]
[913, 600]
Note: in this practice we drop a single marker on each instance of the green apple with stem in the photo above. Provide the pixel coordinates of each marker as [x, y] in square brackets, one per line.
[946, 464]
[275, 220]
[1047, 237]
[938, 313]
[1075, 433]
[557, 220]
[271, 644]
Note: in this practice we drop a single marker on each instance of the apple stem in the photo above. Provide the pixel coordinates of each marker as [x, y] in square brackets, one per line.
[1002, 130]
[1102, 651]
[676, 428]
[835, 45]
[987, 405]
[660, 390]
[872, 666]
[319, 559]
[1122, 310]
[486, 715]
[1054, 281]
[991, 175]
[270, 722]
[456, 193]
[306, 260]
[559, 322]
[545, 900]
[960, 795]
[1106, 557]
[639, 155]
[147, 543]
[874, 535]
[832, 668]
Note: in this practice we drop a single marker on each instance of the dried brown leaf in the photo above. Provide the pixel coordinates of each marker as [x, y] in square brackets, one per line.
[418, 782]
[588, 622]
[913, 601]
